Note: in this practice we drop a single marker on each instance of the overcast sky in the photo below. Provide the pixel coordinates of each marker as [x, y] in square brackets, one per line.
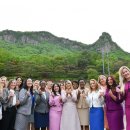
[80, 20]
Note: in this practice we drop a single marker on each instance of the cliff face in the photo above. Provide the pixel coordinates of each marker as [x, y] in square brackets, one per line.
[39, 37]
[103, 43]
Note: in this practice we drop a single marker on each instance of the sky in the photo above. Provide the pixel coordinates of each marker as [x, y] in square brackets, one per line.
[79, 20]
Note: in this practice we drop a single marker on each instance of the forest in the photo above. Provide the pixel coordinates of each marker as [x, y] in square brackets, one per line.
[57, 58]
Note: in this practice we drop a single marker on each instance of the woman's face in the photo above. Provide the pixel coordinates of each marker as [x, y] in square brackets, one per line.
[29, 83]
[18, 81]
[93, 85]
[102, 80]
[3, 81]
[75, 85]
[56, 88]
[126, 74]
[110, 81]
[68, 85]
[49, 85]
[12, 84]
[43, 85]
[81, 83]
[36, 85]
[62, 86]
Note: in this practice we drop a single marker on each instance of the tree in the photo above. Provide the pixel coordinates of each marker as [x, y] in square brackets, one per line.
[92, 74]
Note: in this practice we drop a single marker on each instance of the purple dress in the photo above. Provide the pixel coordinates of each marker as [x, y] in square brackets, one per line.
[127, 104]
[114, 111]
[55, 113]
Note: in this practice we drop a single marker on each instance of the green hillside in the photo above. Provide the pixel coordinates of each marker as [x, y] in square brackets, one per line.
[43, 55]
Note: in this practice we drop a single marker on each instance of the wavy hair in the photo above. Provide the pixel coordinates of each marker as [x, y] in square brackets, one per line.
[122, 80]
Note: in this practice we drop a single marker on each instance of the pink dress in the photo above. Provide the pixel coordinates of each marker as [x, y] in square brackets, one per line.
[127, 104]
[55, 113]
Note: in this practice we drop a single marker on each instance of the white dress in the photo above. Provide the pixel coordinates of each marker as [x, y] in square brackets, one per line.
[69, 118]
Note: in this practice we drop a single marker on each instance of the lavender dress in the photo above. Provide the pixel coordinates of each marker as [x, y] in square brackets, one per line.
[55, 112]
[69, 118]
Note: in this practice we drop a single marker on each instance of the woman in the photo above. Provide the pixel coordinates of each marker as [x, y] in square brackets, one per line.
[75, 84]
[1, 99]
[41, 111]
[103, 87]
[95, 100]
[69, 118]
[36, 85]
[113, 100]
[82, 105]
[19, 85]
[124, 78]
[49, 86]
[9, 111]
[55, 103]
[24, 110]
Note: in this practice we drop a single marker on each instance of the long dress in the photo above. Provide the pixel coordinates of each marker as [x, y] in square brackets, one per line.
[127, 104]
[69, 118]
[83, 107]
[55, 112]
[114, 111]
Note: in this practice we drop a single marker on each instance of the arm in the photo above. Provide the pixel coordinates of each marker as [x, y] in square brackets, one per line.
[63, 96]
[101, 99]
[4, 98]
[23, 96]
[88, 99]
[74, 96]
[51, 101]
[112, 95]
[37, 98]
[120, 95]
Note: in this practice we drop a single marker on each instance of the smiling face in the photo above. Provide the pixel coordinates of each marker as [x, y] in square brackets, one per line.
[56, 88]
[3, 81]
[68, 85]
[110, 81]
[19, 81]
[93, 85]
[102, 80]
[12, 84]
[29, 83]
[126, 74]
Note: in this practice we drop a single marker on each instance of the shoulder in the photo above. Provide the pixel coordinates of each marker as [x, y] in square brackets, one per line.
[23, 90]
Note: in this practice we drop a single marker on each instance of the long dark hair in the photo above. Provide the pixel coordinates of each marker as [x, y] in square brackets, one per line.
[54, 90]
[114, 85]
[21, 85]
[26, 87]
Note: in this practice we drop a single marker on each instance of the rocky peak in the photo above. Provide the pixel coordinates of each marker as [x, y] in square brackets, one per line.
[104, 43]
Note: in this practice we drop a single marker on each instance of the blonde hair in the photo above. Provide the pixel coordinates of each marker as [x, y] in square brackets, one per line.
[68, 81]
[95, 81]
[101, 76]
[122, 80]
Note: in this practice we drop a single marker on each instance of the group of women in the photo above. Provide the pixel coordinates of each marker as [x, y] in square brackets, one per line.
[67, 105]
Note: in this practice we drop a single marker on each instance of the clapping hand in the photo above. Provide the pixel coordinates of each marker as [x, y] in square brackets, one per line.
[28, 93]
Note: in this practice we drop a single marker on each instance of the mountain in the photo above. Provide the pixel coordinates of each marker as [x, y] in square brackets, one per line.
[104, 43]
[39, 37]
[44, 55]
